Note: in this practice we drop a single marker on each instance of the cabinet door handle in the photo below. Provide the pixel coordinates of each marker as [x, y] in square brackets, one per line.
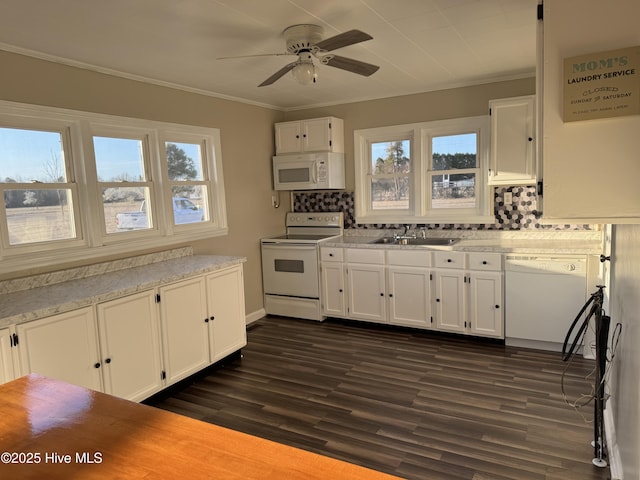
[331, 254]
[206, 320]
[484, 262]
[107, 360]
[212, 318]
[382, 294]
[497, 306]
[340, 290]
[449, 260]
[390, 295]
[530, 139]
[437, 299]
[96, 365]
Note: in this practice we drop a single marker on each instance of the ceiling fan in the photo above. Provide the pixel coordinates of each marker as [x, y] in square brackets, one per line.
[306, 42]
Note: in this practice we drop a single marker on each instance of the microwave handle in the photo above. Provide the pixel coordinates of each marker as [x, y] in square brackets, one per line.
[314, 172]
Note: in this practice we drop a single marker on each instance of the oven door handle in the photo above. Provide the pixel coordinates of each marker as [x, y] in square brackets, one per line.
[290, 246]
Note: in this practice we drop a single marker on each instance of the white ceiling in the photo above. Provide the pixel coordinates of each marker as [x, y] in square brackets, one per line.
[420, 45]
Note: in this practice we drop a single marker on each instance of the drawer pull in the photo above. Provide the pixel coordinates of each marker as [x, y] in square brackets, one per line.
[484, 262]
[449, 260]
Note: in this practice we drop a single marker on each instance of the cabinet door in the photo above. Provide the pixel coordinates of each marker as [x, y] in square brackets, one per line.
[130, 346]
[227, 321]
[288, 137]
[185, 340]
[409, 296]
[486, 309]
[333, 296]
[449, 300]
[7, 370]
[512, 141]
[64, 347]
[366, 292]
[316, 135]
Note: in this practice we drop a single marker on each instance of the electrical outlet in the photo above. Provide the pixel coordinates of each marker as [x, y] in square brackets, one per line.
[508, 198]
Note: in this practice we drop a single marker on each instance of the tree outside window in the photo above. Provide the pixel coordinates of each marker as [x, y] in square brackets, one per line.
[390, 171]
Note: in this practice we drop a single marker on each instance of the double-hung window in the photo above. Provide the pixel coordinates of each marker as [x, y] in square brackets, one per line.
[79, 185]
[432, 172]
[38, 186]
[124, 181]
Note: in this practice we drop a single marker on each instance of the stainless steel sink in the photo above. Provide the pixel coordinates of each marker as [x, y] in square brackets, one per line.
[415, 241]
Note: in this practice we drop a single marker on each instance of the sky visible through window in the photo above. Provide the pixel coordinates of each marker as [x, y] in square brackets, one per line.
[465, 143]
[28, 155]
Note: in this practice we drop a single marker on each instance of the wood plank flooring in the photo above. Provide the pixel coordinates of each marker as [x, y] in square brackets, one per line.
[414, 404]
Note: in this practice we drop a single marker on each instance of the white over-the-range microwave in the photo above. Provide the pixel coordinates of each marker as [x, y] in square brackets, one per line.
[308, 171]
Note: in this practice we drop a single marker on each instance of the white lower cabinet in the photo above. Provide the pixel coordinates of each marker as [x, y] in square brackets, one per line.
[381, 286]
[64, 347]
[183, 316]
[450, 300]
[468, 295]
[332, 282]
[225, 301]
[409, 287]
[367, 292]
[130, 346]
[8, 364]
[134, 346]
[486, 311]
[449, 291]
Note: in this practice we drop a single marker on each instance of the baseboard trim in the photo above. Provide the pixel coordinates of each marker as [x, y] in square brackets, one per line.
[255, 316]
[615, 463]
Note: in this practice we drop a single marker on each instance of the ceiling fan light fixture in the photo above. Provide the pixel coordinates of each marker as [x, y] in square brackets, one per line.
[305, 73]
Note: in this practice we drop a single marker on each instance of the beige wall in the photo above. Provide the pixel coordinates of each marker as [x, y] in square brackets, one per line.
[423, 107]
[246, 136]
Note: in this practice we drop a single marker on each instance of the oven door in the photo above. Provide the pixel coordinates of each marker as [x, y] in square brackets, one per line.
[290, 269]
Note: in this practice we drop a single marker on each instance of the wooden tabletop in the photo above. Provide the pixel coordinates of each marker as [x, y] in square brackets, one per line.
[51, 429]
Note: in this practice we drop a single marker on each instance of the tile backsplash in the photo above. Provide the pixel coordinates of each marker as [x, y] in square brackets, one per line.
[521, 214]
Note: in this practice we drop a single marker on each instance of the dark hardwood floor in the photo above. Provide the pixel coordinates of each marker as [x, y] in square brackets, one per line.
[415, 404]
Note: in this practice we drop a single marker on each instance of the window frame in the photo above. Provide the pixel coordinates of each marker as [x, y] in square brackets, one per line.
[420, 175]
[92, 241]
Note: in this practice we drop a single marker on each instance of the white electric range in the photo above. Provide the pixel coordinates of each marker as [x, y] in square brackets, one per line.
[291, 264]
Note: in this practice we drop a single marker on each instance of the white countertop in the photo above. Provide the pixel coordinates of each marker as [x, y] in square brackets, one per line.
[577, 244]
[45, 300]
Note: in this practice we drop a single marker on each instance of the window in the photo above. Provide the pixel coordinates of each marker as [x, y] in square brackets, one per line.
[124, 183]
[188, 180]
[453, 171]
[73, 181]
[37, 186]
[421, 173]
[390, 170]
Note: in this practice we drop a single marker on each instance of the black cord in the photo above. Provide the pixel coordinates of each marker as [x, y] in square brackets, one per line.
[596, 297]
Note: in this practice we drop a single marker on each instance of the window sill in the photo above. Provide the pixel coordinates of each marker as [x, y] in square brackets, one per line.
[62, 257]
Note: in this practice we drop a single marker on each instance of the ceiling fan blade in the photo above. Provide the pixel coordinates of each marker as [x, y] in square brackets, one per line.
[278, 74]
[343, 40]
[351, 65]
[257, 55]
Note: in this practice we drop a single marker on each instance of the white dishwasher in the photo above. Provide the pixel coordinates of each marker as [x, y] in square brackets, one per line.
[543, 295]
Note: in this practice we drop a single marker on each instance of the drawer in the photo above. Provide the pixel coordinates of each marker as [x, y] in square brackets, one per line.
[484, 261]
[365, 255]
[331, 254]
[409, 258]
[449, 259]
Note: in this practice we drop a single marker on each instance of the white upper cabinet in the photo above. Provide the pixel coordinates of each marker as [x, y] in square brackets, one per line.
[315, 135]
[513, 142]
[591, 167]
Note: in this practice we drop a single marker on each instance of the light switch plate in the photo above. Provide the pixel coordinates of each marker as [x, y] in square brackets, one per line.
[508, 198]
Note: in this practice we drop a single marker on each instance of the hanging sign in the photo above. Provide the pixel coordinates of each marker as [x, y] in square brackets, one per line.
[602, 85]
